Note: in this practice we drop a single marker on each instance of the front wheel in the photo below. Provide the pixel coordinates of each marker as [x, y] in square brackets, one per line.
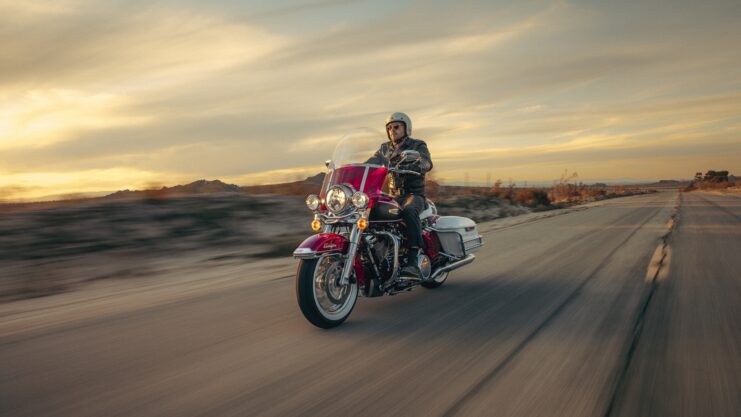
[323, 300]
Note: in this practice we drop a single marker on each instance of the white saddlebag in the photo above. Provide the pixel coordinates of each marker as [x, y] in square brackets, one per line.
[458, 236]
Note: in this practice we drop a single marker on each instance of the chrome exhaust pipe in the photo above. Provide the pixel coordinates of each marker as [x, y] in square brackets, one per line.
[455, 265]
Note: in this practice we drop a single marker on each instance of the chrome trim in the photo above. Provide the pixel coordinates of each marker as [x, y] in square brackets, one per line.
[455, 265]
[455, 258]
[363, 165]
[365, 176]
[331, 218]
[332, 300]
[344, 189]
[329, 183]
[305, 253]
[424, 267]
[396, 242]
[364, 196]
[319, 202]
[350, 258]
[480, 243]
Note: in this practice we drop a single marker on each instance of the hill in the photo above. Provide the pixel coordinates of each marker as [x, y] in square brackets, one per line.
[195, 187]
[310, 185]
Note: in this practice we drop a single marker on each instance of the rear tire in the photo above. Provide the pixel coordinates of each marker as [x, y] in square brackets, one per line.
[322, 300]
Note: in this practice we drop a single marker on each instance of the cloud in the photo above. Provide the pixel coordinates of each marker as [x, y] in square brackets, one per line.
[251, 91]
[43, 117]
[123, 46]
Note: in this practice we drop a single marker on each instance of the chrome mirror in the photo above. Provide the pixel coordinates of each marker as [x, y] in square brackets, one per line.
[410, 155]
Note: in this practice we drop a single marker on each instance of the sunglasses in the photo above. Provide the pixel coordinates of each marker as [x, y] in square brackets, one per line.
[394, 127]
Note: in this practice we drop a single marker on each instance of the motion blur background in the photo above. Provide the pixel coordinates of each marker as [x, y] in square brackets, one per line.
[154, 157]
[100, 96]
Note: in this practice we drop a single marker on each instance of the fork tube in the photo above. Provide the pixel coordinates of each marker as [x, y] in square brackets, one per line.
[350, 260]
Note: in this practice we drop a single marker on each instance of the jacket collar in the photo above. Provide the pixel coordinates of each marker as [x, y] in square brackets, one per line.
[396, 150]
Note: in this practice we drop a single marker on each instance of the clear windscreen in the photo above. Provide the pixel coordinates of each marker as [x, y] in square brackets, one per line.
[358, 147]
[354, 164]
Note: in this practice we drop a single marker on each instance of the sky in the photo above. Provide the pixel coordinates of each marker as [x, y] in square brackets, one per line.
[98, 96]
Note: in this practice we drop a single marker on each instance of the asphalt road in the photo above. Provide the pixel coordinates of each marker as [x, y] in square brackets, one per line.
[614, 310]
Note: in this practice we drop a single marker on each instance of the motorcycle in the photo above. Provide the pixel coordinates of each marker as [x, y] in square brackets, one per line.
[360, 244]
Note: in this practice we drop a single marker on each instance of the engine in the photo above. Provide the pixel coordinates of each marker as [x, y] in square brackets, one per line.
[383, 254]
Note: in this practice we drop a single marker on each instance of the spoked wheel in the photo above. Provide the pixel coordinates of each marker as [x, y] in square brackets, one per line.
[323, 300]
[438, 281]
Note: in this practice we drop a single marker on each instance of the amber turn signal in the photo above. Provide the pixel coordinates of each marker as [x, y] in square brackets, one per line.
[362, 223]
[316, 225]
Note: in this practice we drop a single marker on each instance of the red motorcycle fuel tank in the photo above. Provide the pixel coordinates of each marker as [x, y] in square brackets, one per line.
[384, 209]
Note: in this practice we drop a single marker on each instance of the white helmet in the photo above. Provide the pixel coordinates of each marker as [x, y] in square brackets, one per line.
[400, 117]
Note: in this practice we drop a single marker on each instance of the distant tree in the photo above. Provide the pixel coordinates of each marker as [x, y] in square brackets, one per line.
[715, 176]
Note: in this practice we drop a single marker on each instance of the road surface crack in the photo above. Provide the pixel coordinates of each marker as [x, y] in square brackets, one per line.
[658, 270]
[474, 390]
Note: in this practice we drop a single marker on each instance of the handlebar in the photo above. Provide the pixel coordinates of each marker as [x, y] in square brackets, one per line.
[404, 171]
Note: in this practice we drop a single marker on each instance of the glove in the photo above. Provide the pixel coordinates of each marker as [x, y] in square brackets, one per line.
[411, 166]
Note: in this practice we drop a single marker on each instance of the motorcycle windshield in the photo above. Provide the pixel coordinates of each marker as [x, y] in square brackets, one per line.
[353, 163]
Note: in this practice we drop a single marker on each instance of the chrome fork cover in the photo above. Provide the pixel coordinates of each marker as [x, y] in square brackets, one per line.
[425, 266]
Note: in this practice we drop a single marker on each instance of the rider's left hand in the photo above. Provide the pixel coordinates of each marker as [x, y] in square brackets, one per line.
[411, 166]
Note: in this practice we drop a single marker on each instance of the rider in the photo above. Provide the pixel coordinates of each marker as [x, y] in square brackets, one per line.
[409, 189]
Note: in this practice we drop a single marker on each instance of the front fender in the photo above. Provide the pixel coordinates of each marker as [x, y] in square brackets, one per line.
[314, 246]
[318, 244]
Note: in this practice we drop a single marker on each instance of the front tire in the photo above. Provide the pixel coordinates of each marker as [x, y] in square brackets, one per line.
[323, 301]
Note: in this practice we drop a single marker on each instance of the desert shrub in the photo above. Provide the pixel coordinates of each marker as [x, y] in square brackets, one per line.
[532, 197]
[715, 185]
[711, 180]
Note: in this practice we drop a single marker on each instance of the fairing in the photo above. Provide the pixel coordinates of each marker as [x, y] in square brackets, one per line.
[367, 178]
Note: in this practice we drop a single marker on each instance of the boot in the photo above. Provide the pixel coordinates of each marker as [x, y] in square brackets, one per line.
[411, 270]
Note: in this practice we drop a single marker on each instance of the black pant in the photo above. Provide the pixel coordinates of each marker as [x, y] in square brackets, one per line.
[411, 206]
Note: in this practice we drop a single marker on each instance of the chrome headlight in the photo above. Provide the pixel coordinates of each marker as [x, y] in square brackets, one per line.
[312, 202]
[360, 200]
[337, 199]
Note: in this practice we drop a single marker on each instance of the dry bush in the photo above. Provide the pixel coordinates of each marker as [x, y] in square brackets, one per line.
[711, 180]
[532, 197]
[715, 185]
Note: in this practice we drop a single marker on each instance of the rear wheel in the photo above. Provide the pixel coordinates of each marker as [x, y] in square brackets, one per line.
[438, 281]
[323, 300]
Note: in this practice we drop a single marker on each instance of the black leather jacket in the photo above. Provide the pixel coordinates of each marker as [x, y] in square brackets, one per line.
[390, 155]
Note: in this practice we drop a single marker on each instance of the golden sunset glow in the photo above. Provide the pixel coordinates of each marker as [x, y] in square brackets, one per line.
[100, 96]
[44, 117]
[41, 185]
